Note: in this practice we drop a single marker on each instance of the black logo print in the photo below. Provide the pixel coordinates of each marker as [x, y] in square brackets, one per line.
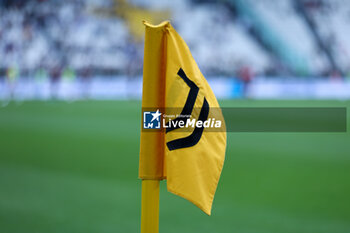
[196, 135]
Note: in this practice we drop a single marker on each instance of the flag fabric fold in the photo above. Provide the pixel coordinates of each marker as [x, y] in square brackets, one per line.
[191, 161]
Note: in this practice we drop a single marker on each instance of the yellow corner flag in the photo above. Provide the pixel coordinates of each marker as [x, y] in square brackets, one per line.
[190, 160]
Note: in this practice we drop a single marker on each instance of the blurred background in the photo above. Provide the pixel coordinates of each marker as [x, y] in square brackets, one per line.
[255, 49]
[70, 91]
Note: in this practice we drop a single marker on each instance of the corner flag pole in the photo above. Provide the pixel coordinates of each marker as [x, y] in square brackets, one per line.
[150, 206]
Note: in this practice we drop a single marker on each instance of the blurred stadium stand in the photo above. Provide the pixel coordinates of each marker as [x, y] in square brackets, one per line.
[246, 48]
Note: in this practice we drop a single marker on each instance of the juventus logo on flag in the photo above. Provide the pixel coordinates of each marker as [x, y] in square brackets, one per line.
[196, 135]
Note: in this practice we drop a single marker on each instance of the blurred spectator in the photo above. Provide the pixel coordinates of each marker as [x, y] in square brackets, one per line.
[55, 75]
[246, 76]
[11, 79]
[85, 76]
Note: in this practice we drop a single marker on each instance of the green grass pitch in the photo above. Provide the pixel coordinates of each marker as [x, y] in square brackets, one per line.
[72, 167]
